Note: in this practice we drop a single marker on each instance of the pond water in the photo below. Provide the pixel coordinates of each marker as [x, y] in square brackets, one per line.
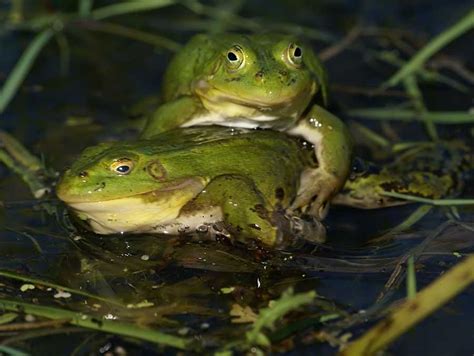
[188, 288]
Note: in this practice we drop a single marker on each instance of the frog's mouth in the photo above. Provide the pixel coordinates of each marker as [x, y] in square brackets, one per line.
[216, 95]
[136, 213]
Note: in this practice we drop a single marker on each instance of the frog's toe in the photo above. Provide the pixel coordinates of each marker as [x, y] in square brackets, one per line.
[316, 190]
[320, 207]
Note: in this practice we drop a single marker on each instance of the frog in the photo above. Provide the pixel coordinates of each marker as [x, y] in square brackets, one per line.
[271, 81]
[426, 170]
[190, 179]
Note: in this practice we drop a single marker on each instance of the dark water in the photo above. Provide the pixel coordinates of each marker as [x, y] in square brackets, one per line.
[184, 279]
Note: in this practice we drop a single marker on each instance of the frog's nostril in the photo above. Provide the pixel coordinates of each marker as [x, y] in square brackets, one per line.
[83, 174]
[259, 75]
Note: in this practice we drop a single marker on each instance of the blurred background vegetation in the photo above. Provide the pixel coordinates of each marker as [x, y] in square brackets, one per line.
[71, 75]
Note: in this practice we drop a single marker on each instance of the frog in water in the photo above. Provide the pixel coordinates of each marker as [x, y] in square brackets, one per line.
[266, 81]
[429, 170]
[187, 178]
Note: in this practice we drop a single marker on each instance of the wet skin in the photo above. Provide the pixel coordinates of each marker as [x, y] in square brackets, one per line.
[186, 178]
[268, 81]
[433, 170]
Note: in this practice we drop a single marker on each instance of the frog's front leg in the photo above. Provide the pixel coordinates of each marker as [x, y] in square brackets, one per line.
[333, 149]
[171, 115]
[246, 213]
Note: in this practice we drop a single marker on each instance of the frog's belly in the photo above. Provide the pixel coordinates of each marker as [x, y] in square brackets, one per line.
[262, 121]
[133, 215]
[198, 221]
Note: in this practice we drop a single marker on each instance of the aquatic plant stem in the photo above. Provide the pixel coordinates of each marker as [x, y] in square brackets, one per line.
[412, 88]
[131, 33]
[10, 351]
[127, 7]
[445, 37]
[437, 202]
[23, 66]
[393, 113]
[86, 321]
[37, 188]
[19, 277]
[411, 278]
[85, 7]
[414, 310]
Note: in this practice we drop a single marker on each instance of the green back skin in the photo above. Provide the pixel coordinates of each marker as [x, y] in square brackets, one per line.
[193, 152]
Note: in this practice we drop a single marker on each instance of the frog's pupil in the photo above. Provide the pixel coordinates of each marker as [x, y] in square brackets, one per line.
[297, 52]
[231, 56]
[123, 169]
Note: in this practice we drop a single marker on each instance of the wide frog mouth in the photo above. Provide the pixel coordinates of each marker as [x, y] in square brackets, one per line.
[91, 195]
[137, 212]
[213, 93]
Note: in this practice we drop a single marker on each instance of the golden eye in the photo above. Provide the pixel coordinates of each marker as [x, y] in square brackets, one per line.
[122, 166]
[295, 54]
[235, 57]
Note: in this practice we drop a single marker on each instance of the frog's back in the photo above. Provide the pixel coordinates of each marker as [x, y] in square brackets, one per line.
[269, 158]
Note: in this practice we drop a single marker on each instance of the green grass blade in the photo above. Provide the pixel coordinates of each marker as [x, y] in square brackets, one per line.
[37, 187]
[411, 86]
[417, 61]
[129, 7]
[10, 351]
[411, 312]
[7, 318]
[411, 220]
[276, 310]
[134, 34]
[437, 202]
[22, 67]
[64, 53]
[411, 278]
[393, 113]
[85, 7]
[371, 135]
[19, 277]
[86, 321]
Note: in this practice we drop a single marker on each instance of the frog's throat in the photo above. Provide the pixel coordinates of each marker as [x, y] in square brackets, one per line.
[214, 97]
[137, 213]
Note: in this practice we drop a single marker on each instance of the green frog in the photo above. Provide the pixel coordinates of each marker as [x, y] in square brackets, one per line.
[430, 170]
[265, 81]
[185, 180]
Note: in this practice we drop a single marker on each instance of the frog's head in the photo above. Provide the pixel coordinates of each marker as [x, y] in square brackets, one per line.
[123, 187]
[272, 73]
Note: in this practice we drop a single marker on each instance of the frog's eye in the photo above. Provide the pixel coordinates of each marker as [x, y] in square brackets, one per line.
[295, 54]
[122, 166]
[235, 57]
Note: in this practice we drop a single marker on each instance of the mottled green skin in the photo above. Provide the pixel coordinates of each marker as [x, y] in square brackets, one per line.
[270, 89]
[239, 171]
[432, 170]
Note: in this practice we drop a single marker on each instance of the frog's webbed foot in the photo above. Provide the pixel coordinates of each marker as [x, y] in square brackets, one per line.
[333, 147]
[19, 160]
[317, 187]
[297, 229]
